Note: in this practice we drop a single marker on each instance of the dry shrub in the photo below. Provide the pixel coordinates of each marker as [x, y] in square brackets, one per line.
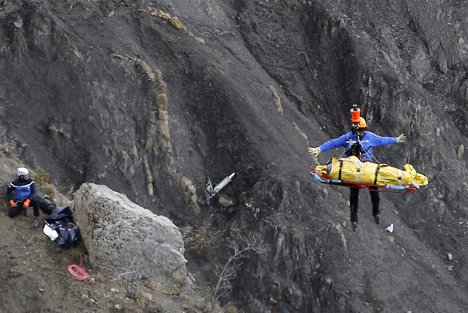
[203, 240]
[41, 179]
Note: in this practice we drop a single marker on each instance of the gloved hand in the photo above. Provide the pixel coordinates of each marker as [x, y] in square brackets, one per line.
[314, 151]
[26, 203]
[401, 138]
[12, 203]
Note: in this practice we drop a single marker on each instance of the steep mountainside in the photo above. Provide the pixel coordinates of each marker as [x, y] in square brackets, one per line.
[152, 97]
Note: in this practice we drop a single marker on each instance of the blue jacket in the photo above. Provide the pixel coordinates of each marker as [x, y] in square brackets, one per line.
[22, 188]
[368, 141]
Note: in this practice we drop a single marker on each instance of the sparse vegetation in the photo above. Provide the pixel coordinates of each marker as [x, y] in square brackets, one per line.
[204, 239]
[131, 280]
[41, 179]
[305, 107]
[239, 247]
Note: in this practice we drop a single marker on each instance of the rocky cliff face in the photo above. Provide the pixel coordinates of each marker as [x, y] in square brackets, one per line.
[151, 97]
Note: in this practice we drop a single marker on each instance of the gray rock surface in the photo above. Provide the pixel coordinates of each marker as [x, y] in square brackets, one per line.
[123, 237]
[150, 97]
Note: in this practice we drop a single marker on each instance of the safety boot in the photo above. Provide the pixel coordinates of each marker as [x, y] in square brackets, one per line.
[377, 218]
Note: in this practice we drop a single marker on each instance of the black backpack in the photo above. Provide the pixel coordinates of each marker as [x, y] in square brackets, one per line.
[46, 204]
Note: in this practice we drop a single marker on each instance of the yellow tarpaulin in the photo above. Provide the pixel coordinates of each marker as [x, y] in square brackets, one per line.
[352, 170]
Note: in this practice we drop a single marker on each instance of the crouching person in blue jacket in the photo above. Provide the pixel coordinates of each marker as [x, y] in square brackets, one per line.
[20, 193]
[359, 142]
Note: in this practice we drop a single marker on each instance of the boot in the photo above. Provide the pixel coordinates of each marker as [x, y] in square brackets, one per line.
[377, 218]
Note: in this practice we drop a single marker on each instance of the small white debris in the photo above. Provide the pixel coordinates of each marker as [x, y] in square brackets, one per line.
[389, 228]
[460, 151]
[18, 23]
[449, 256]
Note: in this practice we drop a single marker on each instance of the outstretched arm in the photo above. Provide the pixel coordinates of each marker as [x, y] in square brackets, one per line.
[331, 144]
[383, 141]
[401, 138]
[314, 151]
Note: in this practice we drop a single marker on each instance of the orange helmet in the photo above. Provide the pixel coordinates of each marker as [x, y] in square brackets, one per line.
[362, 123]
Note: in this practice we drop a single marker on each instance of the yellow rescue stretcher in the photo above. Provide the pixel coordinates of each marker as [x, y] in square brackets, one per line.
[351, 172]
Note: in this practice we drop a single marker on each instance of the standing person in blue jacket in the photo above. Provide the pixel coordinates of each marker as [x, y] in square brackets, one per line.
[20, 193]
[359, 142]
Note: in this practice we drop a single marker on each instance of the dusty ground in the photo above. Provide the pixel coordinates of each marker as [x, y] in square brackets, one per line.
[34, 276]
[35, 279]
[34, 271]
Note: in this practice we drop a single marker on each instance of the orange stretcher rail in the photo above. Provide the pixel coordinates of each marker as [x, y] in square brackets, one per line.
[380, 188]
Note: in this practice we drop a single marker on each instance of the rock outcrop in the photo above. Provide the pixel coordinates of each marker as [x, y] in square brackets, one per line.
[123, 238]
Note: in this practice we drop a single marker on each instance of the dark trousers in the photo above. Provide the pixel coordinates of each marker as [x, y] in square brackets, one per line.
[354, 202]
[18, 209]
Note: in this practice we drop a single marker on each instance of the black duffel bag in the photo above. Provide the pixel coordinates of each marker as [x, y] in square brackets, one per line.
[67, 232]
